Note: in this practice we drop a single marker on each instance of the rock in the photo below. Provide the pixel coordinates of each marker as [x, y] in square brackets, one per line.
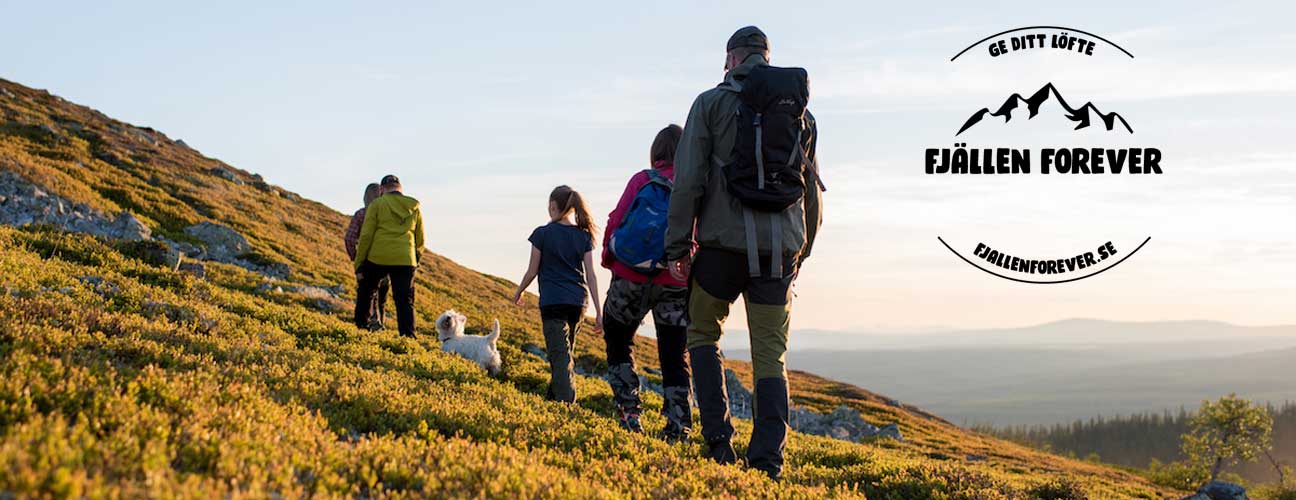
[535, 350]
[143, 134]
[977, 458]
[654, 371]
[197, 269]
[25, 203]
[277, 270]
[129, 228]
[228, 246]
[181, 142]
[843, 423]
[890, 431]
[1220, 490]
[740, 398]
[223, 244]
[8, 94]
[313, 292]
[227, 174]
[1196, 496]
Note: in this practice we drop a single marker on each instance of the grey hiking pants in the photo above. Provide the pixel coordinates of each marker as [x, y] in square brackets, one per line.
[560, 323]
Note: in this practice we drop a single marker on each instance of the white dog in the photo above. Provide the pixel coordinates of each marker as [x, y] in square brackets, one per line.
[477, 348]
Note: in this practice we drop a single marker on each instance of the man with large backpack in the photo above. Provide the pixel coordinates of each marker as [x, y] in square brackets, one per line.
[747, 180]
[634, 249]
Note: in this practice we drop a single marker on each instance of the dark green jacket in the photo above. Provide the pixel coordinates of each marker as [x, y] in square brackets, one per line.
[699, 196]
[392, 234]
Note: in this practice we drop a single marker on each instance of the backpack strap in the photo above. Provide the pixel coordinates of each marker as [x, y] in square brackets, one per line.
[812, 166]
[753, 253]
[655, 177]
[760, 155]
[776, 246]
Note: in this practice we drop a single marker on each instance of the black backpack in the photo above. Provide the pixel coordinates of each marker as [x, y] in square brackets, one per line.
[770, 154]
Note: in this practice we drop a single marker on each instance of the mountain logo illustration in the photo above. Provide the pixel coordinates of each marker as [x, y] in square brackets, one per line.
[1083, 116]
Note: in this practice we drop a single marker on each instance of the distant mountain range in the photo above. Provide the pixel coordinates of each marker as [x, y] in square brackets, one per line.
[1056, 372]
[1083, 116]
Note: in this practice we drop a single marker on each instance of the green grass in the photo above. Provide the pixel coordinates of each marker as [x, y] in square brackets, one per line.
[125, 379]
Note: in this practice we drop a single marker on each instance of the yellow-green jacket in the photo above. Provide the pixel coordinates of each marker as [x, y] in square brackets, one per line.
[392, 234]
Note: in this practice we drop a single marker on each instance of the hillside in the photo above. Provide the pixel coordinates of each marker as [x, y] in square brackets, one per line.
[131, 370]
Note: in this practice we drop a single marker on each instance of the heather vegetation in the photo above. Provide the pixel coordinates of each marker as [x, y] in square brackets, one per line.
[125, 376]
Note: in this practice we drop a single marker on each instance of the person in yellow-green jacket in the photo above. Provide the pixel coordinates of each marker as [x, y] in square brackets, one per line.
[391, 243]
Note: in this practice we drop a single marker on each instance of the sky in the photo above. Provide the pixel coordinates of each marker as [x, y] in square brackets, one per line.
[482, 109]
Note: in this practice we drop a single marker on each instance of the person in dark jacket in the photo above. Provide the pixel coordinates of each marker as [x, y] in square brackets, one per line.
[721, 270]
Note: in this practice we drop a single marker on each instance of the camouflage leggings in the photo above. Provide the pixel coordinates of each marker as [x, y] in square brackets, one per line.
[629, 302]
[626, 306]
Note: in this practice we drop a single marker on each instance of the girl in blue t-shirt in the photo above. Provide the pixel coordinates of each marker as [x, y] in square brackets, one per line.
[562, 255]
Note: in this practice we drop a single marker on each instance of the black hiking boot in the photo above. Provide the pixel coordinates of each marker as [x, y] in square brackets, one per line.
[722, 452]
[769, 427]
[713, 403]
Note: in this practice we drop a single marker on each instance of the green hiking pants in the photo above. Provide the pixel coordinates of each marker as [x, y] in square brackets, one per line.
[719, 278]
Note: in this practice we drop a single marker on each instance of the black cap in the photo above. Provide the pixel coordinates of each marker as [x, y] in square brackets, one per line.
[749, 36]
[390, 180]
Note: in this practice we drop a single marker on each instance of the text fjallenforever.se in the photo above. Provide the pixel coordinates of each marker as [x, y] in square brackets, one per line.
[1045, 266]
[964, 160]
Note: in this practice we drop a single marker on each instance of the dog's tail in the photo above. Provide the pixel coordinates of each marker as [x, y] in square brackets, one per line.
[494, 335]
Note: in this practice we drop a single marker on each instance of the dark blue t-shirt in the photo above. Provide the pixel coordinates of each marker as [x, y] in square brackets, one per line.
[562, 263]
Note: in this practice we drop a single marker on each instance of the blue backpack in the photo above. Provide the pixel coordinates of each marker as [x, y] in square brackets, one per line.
[640, 240]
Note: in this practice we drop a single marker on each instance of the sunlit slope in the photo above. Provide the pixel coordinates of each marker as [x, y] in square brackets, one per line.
[124, 377]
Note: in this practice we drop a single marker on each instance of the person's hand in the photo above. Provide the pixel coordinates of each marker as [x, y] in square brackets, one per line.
[680, 268]
[517, 297]
[598, 323]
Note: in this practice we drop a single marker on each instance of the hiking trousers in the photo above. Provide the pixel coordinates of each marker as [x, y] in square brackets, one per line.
[719, 277]
[626, 306]
[370, 276]
[560, 323]
[378, 306]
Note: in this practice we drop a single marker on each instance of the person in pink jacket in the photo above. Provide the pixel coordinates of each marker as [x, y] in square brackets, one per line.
[634, 292]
